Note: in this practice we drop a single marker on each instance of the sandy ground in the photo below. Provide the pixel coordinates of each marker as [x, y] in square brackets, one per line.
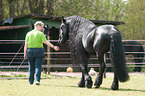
[78, 74]
[73, 74]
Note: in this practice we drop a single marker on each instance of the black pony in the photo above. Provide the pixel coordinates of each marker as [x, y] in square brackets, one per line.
[87, 39]
[133, 46]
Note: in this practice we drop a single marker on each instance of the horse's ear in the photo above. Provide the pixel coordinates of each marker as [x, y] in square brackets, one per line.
[62, 19]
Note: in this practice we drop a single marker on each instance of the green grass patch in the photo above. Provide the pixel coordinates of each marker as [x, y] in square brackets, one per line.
[5, 76]
[21, 75]
[67, 86]
[14, 75]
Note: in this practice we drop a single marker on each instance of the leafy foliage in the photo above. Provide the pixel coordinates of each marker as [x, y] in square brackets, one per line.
[132, 12]
[134, 18]
[74, 7]
[109, 9]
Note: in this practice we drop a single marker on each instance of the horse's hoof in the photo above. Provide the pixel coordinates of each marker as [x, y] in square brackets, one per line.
[81, 84]
[114, 87]
[97, 86]
[88, 84]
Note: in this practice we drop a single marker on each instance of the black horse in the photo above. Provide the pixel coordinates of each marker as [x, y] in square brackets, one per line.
[86, 39]
[133, 46]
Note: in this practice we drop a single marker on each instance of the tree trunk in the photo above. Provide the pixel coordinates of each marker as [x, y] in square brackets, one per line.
[50, 7]
[36, 6]
[12, 9]
[41, 7]
[31, 6]
[1, 10]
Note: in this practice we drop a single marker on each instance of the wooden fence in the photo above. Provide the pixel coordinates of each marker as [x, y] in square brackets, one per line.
[12, 58]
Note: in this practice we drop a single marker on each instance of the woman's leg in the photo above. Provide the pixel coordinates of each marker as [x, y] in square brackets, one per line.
[38, 68]
[31, 62]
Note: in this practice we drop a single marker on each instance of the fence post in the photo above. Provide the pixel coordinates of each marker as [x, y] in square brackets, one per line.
[48, 56]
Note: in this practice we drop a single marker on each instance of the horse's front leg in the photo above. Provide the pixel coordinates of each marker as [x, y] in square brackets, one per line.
[98, 80]
[115, 83]
[82, 81]
[86, 80]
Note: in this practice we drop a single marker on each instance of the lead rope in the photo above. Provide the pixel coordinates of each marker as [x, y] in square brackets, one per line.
[20, 64]
[17, 73]
[16, 55]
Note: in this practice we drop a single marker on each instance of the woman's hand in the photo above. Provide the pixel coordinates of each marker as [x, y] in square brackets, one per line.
[56, 48]
[25, 56]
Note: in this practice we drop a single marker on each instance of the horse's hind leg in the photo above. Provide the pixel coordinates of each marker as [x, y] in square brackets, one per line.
[99, 78]
[115, 83]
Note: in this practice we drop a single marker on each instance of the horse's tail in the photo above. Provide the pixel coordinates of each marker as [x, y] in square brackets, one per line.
[118, 56]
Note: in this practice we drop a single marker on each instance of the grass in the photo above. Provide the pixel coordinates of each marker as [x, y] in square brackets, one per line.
[14, 75]
[67, 86]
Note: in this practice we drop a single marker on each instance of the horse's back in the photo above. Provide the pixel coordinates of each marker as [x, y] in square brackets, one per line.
[106, 29]
[103, 37]
[97, 38]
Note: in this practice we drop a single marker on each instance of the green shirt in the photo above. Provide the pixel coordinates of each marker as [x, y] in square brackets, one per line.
[35, 39]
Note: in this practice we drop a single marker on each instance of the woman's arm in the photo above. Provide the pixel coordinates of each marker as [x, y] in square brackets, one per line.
[25, 50]
[51, 45]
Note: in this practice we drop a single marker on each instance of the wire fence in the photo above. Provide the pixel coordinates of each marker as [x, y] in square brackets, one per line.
[13, 58]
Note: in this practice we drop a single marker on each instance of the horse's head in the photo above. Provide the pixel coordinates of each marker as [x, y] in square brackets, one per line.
[63, 32]
[46, 30]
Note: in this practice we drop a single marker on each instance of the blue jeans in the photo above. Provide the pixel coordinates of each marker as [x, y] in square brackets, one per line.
[35, 58]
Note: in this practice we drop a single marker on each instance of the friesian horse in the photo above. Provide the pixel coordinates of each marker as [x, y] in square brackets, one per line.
[86, 39]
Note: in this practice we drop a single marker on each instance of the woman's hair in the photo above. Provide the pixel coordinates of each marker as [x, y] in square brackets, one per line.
[38, 23]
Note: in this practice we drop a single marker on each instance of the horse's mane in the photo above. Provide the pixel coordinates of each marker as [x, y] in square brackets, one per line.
[78, 18]
[77, 22]
[78, 26]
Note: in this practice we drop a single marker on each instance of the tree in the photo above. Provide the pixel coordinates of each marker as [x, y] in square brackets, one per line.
[91, 9]
[1, 9]
[22, 7]
[82, 8]
[50, 7]
[109, 9]
[134, 18]
[11, 8]
[36, 6]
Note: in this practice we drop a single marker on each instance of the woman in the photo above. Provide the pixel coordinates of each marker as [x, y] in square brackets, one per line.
[34, 51]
